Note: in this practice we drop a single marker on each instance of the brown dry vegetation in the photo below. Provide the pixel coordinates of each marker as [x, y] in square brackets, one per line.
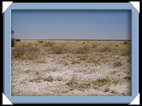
[71, 68]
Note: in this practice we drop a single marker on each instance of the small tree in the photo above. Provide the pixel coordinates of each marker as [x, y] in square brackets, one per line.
[12, 40]
[12, 32]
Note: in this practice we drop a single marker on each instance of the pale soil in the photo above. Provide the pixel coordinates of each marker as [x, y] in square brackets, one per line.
[30, 77]
[24, 71]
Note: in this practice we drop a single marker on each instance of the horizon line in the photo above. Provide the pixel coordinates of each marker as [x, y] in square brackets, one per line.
[80, 39]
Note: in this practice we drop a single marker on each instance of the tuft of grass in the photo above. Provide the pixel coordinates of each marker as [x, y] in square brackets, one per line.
[27, 71]
[107, 90]
[38, 81]
[92, 71]
[96, 59]
[62, 61]
[83, 57]
[31, 80]
[74, 84]
[73, 80]
[59, 78]
[101, 82]
[54, 69]
[65, 91]
[82, 70]
[94, 45]
[117, 64]
[75, 62]
[92, 59]
[23, 82]
[50, 70]
[115, 81]
[49, 78]
[83, 85]
[125, 53]
[65, 64]
[115, 92]
[127, 77]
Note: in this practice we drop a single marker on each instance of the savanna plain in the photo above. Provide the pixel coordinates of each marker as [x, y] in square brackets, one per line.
[70, 68]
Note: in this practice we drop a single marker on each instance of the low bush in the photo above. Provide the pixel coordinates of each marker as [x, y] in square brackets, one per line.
[83, 50]
[126, 42]
[17, 40]
[25, 52]
[105, 49]
[13, 42]
[48, 44]
[40, 41]
[58, 49]
[94, 45]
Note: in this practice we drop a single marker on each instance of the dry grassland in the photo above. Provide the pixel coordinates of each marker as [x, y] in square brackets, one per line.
[71, 68]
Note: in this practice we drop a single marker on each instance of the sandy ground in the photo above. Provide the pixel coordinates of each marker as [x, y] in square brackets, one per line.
[60, 75]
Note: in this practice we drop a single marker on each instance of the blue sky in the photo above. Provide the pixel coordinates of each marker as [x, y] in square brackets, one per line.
[72, 24]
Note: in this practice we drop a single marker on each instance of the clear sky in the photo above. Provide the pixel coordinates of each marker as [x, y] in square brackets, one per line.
[72, 24]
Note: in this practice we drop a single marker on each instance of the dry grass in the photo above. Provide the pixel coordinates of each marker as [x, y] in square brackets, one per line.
[75, 84]
[80, 47]
[41, 61]
[83, 50]
[107, 90]
[100, 66]
[105, 49]
[117, 64]
[101, 82]
[49, 78]
[25, 52]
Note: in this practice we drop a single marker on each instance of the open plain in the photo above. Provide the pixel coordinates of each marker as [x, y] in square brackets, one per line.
[71, 68]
